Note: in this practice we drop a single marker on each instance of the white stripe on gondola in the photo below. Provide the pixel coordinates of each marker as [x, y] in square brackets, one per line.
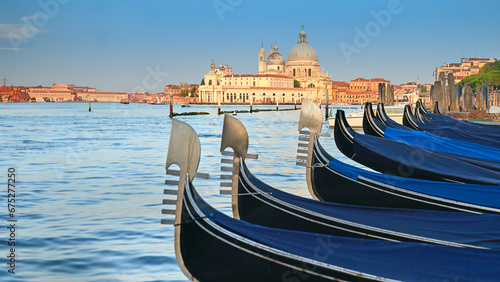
[202, 216]
[345, 222]
[372, 122]
[344, 131]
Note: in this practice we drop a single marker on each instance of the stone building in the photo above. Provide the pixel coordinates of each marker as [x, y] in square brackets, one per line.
[54, 93]
[303, 66]
[363, 90]
[275, 80]
[466, 67]
[339, 91]
[14, 94]
[224, 86]
[70, 93]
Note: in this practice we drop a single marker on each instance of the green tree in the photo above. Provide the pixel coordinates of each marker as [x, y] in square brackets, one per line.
[490, 67]
[296, 83]
[193, 90]
[489, 74]
[202, 81]
[423, 89]
[184, 92]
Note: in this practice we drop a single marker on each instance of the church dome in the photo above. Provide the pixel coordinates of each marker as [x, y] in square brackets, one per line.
[275, 59]
[302, 51]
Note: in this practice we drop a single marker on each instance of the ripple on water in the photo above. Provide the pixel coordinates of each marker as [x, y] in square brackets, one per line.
[90, 184]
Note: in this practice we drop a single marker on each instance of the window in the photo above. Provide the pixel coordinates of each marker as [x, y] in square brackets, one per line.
[210, 82]
[254, 83]
[293, 72]
[278, 67]
[309, 72]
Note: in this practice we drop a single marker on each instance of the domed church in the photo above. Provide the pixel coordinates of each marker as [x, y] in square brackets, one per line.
[302, 66]
[275, 81]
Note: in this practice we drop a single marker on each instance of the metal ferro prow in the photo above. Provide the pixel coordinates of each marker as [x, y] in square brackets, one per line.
[183, 150]
[312, 119]
[234, 136]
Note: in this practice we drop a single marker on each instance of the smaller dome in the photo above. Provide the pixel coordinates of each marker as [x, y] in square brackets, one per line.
[275, 59]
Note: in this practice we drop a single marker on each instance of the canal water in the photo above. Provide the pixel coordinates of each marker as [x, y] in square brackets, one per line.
[89, 185]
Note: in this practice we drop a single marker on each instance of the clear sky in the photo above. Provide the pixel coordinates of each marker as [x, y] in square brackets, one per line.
[120, 45]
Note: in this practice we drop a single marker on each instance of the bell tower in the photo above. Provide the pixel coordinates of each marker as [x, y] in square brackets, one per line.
[262, 60]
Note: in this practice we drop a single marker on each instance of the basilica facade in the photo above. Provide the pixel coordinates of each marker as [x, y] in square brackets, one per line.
[275, 80]
[302, 65]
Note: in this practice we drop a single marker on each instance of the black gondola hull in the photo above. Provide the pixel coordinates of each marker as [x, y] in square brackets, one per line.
[332, 186]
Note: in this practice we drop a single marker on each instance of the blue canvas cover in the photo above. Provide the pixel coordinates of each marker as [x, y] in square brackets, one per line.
[401, 261]
[373, 258]
[444, 119]
[452, 132]
[443, 144]
[482, 230]
[411, 161]
[483, 195]
[391, 123]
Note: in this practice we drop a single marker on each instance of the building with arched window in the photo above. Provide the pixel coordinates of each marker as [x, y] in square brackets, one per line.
[302, 65]
[275, 81]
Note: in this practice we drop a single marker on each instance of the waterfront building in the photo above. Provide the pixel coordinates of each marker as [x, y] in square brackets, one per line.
[274, 81]
[106, 97]
[138, 97]
[361, 90]
[303, 66]
[224, 86]
[70, 93]
[466, 67]
[13, 94]
[362, 85]
[175, 90]
[339, 92]
[54, 93]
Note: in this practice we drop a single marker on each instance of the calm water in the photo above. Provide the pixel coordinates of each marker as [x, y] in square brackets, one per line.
[89, 184]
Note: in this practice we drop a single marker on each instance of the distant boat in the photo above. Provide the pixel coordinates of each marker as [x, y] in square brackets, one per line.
[124, 101]
[185, 105]
[355, 119]
[156, 103]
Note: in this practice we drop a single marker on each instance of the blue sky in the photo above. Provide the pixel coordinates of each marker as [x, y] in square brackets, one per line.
[119, 45]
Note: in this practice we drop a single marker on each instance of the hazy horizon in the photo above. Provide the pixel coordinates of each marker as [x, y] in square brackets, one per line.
[144, 45]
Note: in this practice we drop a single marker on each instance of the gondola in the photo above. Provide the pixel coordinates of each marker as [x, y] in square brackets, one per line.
[386, 120]
[399, 158]
[453, 131]
[334, 181]
[436, 108]
[256, 202]
[372, 126]
[211, 246]
[431, 118]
